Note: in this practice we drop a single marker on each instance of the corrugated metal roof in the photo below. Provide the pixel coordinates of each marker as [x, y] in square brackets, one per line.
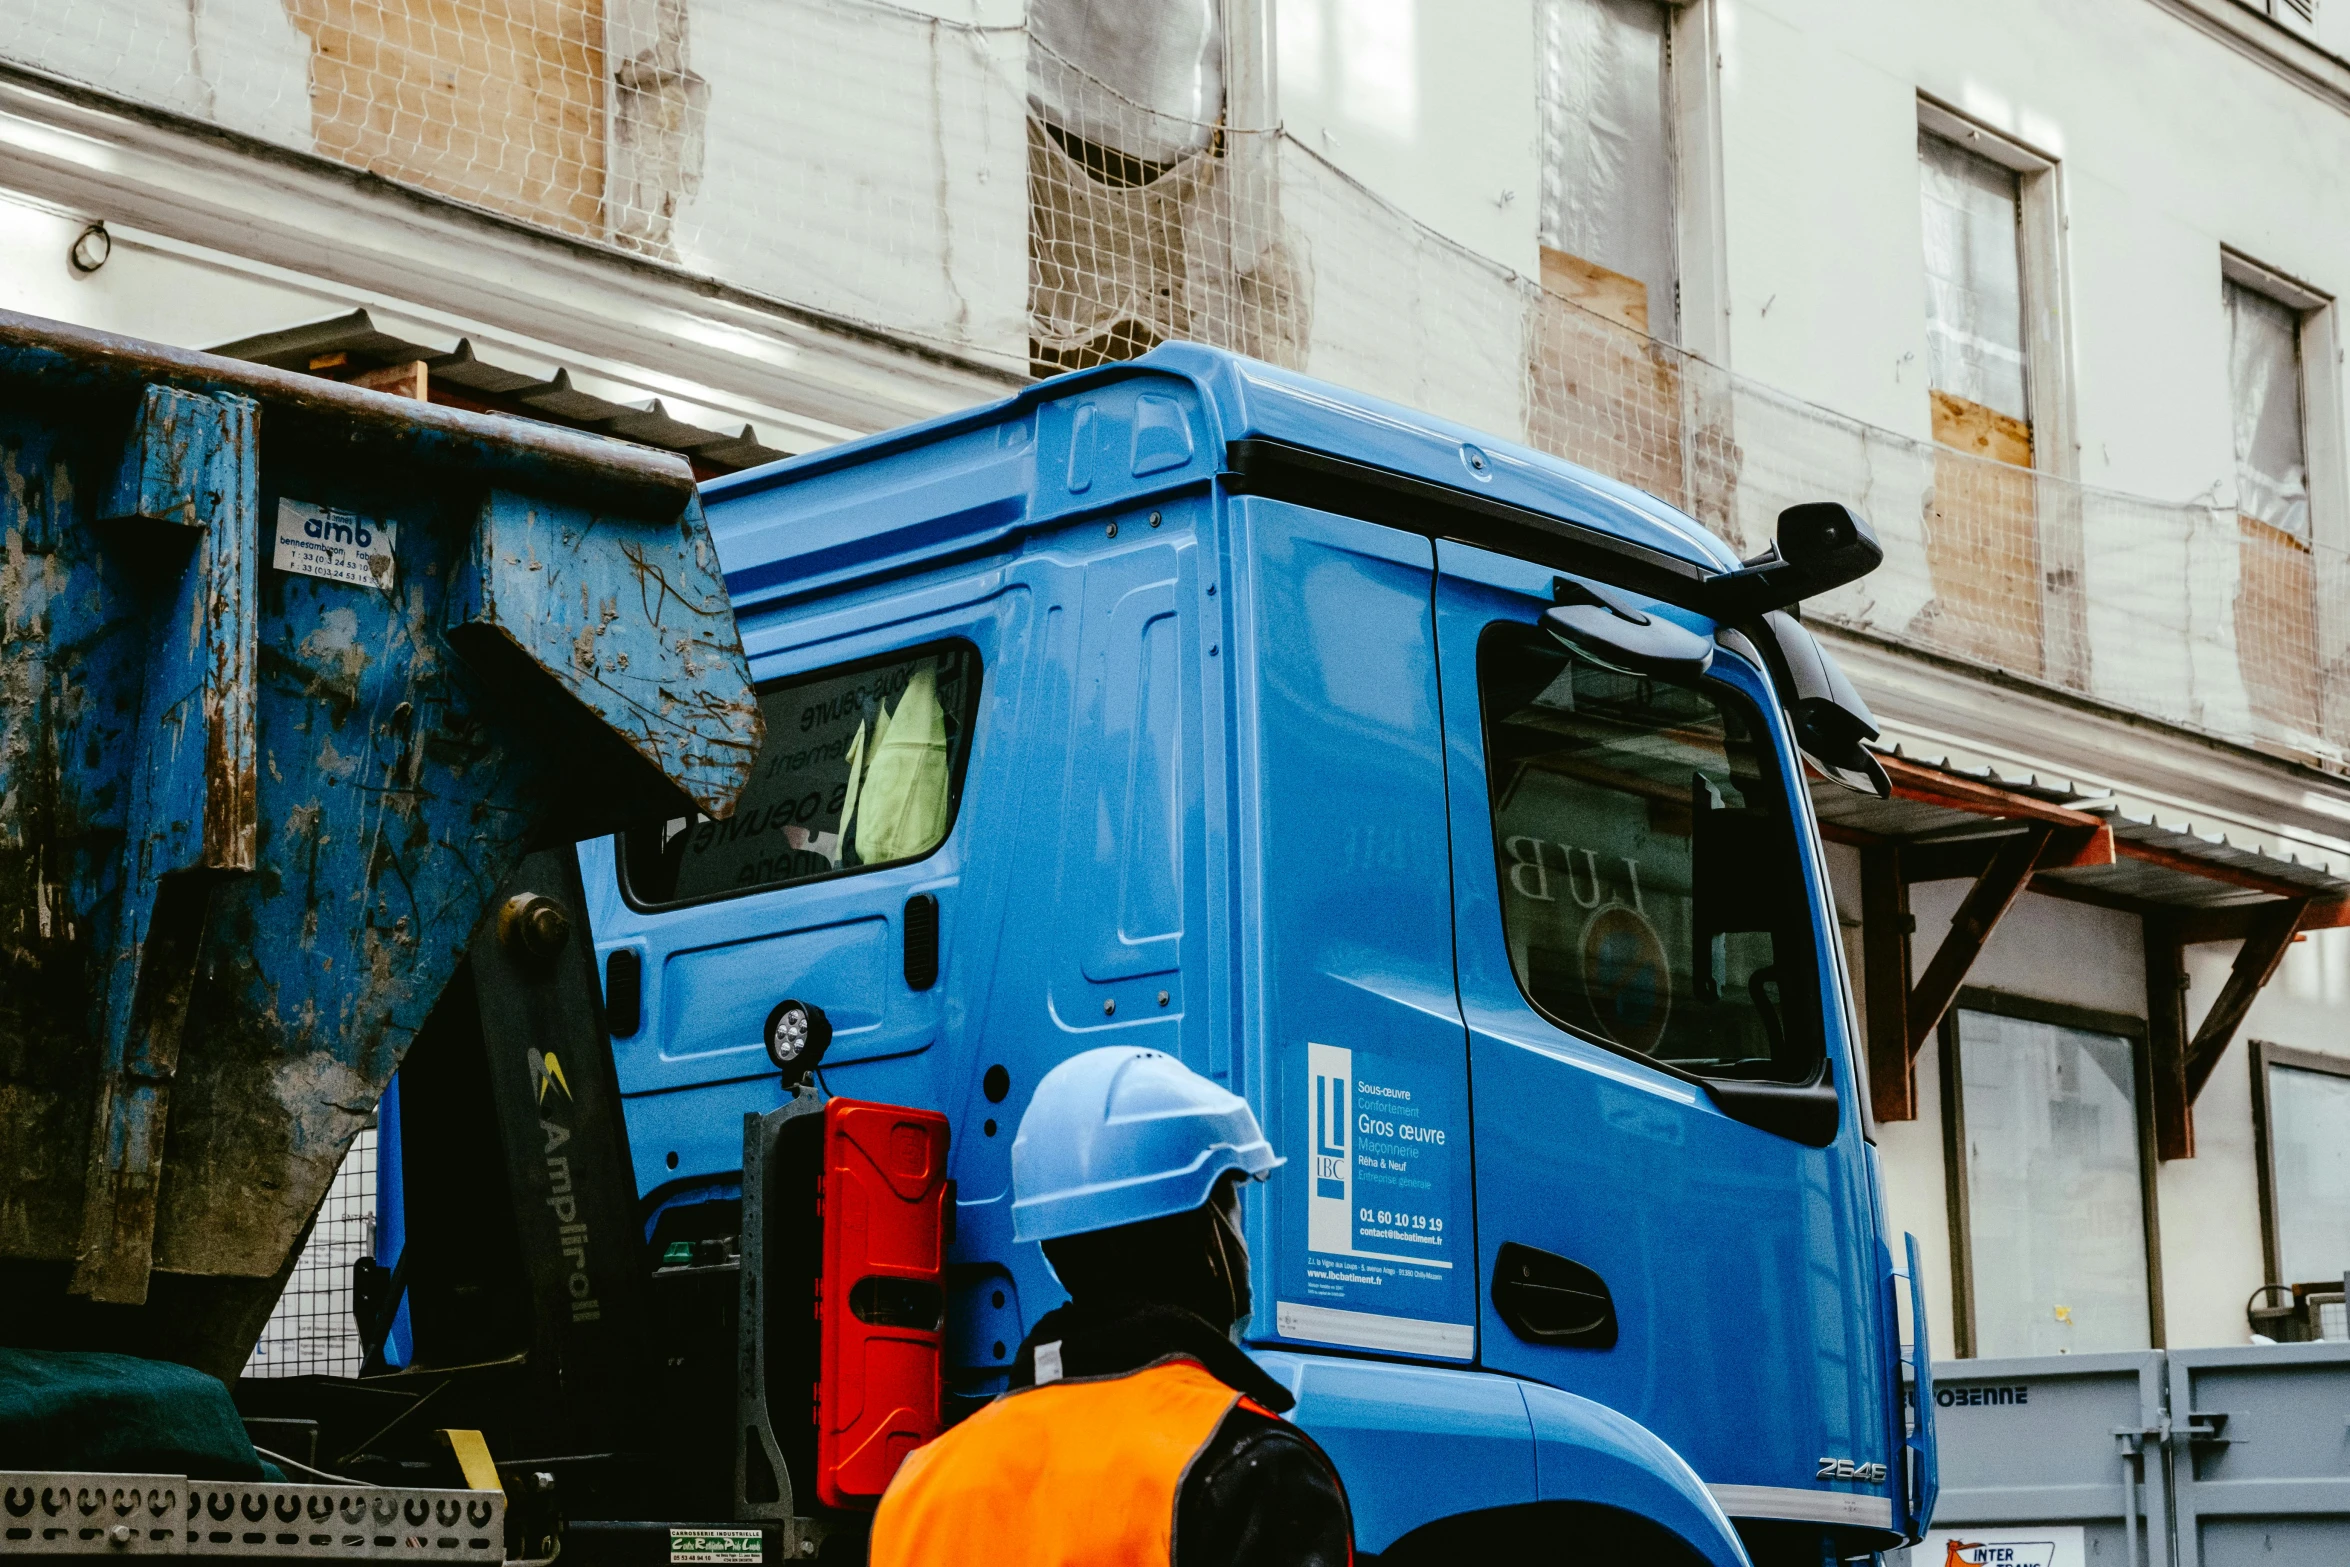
[555, 398]
[1909, 821]
[2175, 866]
[2220, 879]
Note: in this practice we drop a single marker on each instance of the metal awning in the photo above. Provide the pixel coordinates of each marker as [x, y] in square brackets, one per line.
[350, 347]
[2007, 834]
[2153, 867]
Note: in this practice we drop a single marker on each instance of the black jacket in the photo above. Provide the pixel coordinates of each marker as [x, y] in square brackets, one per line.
[1259, 1493]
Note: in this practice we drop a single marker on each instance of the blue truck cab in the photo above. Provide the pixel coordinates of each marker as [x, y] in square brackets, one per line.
[1445, 800]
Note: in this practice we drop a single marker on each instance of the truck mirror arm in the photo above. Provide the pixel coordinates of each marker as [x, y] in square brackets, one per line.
[1820, 546]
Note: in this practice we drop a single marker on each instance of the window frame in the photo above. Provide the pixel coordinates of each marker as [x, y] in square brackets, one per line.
[1825, 1049]
[957, 777]
[2323, 450]
[1663, 315]
[2040, 229]
[2031, 1009]
[2263, 1055]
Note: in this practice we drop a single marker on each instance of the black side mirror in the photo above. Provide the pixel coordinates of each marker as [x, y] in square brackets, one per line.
[1820, 545]
[1828, 716]
[1610, 629]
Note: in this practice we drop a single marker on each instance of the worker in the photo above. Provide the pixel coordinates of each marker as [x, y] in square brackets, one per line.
[1134, 1430]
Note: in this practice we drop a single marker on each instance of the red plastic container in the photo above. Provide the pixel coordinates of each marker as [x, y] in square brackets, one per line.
[881, 1301]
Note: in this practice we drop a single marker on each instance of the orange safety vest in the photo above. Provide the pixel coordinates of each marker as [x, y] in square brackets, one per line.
[1071, 1474]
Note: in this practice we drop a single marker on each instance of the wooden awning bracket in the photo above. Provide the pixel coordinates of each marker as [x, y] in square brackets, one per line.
[2179, 1066]
[1901, 1017]
[2045, 836]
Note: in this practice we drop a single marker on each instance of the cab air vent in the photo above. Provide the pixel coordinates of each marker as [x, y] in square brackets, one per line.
[921, 941]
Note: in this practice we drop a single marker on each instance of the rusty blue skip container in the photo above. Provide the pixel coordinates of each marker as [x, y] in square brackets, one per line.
[291, 676]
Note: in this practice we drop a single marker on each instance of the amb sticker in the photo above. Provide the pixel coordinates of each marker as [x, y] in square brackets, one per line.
[339, 546]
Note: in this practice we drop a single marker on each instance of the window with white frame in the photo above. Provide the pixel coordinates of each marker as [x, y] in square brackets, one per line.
[1977, 364]
[1608, 194]
[2304, 1104]
[2266, 405]
[2049, 1191]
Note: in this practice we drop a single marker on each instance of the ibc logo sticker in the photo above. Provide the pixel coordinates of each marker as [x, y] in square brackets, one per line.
[1330, 1211]
[1386, 1143]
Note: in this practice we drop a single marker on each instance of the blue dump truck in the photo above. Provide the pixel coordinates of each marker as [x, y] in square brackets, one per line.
[1444, 800]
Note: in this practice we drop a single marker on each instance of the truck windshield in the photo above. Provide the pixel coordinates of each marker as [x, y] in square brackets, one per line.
[863, 766]
[1651, 892]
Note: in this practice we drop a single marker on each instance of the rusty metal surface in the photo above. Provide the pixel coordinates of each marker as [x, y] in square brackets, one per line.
[250, 817]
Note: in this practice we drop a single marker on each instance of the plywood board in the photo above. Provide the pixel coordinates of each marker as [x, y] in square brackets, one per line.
[411, 378]
[1983, 552]
[1980, 431]
[2276, 628]
[1618, 298]
[499, 103]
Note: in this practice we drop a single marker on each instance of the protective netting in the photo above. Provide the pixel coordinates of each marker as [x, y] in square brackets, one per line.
[970, 183]
[311, 1331]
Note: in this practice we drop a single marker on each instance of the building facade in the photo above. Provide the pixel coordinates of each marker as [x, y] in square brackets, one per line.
[2048, 293]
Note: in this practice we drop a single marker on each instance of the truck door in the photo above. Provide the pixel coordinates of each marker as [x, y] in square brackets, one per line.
[1636, 920]
[1365, 1242]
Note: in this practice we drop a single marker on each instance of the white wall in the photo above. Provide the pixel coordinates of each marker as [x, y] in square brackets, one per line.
[242, 64]
[1431, 105]
[2168, 146]
[868, 164]
[140, 292]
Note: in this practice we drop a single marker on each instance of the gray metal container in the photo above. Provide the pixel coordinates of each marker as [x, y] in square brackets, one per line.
[2185, 1458]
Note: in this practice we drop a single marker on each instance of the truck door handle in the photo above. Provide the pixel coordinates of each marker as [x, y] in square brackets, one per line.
[1549, 1299]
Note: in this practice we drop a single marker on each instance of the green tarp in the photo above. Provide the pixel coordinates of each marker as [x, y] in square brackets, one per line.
[75, 1410]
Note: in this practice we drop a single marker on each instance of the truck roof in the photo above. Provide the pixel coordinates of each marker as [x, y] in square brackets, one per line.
[1240, 400]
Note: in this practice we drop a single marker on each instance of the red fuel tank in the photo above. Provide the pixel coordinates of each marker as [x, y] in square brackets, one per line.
[880, 1300]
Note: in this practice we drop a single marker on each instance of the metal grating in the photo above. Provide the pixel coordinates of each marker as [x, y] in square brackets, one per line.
[311, 1333]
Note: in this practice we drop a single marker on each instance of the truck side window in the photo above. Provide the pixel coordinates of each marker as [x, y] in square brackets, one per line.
[1651, 891]
[863, 766]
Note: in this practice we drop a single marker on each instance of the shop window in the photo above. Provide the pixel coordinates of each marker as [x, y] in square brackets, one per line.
[1607, 159]
[2048, 1179]
[2302, 1101]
